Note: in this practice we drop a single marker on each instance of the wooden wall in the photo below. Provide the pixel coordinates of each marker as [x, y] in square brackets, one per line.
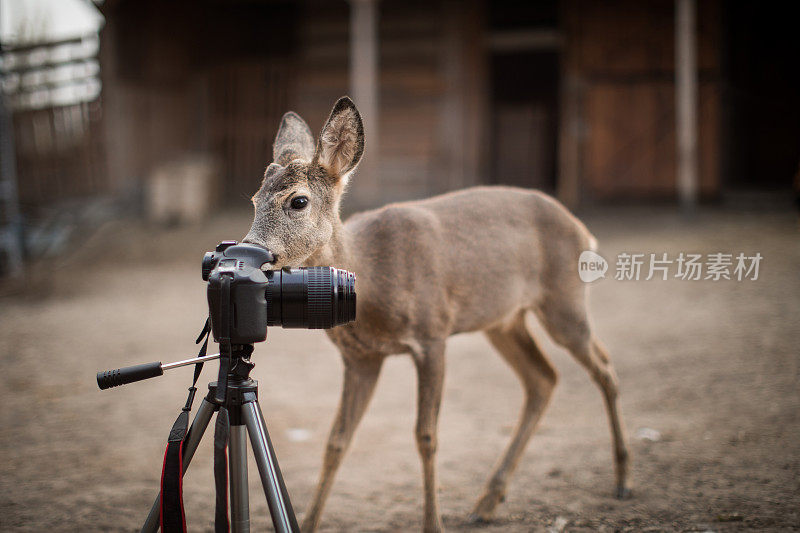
[245, 103]
[173, 90]
[217, 77]
[430, 92]
[196, 77]
[619, 59]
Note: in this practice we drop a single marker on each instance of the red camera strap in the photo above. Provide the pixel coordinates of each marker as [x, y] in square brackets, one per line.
[172, 518]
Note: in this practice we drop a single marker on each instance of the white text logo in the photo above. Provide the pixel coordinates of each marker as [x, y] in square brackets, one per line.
[591, 266]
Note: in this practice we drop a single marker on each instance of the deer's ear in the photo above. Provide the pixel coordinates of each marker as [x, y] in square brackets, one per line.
[341, 143]
[293, 141]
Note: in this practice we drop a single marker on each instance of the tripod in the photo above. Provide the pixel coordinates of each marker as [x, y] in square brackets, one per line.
[245, 417]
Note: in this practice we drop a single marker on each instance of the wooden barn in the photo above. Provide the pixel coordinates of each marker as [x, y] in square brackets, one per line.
[575, 97]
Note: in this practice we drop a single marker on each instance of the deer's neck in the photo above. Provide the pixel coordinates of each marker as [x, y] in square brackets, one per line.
[336, 252]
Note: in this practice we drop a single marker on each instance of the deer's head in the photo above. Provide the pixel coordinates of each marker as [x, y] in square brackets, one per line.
[297, 206]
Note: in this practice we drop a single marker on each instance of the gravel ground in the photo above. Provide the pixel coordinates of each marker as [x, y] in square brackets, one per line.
[711, 366]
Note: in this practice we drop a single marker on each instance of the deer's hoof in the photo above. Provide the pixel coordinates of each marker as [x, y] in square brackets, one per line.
[623, 493]
[477, 520]
[484, 509]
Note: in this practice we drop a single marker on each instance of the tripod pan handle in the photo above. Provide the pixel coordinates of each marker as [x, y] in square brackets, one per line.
[113, 378]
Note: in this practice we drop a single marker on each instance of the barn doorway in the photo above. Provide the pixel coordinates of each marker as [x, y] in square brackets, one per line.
[524, 78]
[763, 109]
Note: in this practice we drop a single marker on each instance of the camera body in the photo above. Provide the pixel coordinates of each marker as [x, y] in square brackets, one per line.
[248, 287]
[307, 297]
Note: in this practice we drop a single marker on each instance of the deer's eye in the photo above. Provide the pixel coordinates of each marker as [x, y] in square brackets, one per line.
[299, 202]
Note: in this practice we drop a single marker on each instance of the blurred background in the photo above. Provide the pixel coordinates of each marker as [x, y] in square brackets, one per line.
[144, 102]
[133, 133]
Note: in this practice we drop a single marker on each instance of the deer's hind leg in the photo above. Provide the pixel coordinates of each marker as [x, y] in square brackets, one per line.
[568, 325]
[538, 378]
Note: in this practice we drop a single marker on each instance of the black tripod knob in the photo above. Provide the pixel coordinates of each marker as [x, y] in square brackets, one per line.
[114, 378]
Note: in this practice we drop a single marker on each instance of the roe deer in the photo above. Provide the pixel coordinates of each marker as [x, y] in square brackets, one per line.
[471, 260]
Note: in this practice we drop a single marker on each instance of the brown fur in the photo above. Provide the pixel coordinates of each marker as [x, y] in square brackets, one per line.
[472, 260]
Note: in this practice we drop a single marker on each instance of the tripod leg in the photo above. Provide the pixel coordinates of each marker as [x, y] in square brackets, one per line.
[280, 507]
[237, 458]
[199, 425]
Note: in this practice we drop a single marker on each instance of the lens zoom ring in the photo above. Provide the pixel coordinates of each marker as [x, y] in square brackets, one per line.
[320, 282]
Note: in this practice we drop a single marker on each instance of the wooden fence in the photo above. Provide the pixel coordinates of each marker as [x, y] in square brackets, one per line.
[53, 91]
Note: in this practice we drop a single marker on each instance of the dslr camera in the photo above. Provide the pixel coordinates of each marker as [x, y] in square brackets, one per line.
[296, 297]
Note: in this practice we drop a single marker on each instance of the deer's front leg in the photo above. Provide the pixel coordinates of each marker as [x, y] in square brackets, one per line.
[430, 381]
[359, 383]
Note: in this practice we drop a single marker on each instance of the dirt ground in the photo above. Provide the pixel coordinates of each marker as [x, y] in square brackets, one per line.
[711, 366]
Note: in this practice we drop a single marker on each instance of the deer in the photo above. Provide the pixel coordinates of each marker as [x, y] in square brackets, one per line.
[479, 259]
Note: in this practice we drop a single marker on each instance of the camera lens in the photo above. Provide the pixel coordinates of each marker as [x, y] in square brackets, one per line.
[310, 297]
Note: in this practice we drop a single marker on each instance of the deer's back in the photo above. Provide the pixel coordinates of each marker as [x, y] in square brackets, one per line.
[461, 261]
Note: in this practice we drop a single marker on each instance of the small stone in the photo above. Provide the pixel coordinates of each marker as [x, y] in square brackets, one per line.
[729, 517]
[649, 434]
[558, 525]
[298, 434]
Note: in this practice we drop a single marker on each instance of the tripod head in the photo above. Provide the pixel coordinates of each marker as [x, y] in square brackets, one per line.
[240, 362]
